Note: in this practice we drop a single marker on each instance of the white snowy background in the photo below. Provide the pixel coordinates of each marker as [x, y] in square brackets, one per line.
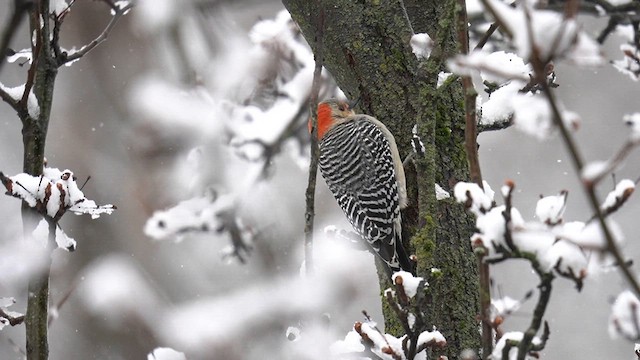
[119, 118]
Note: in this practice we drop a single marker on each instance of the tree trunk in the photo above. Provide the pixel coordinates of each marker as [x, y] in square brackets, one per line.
[367, 49]
[42, 75]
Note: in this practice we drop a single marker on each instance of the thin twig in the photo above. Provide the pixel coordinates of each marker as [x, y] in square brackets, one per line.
[615, 161]
[119, 12]
[373, 325]
[538, 313]
[395, 306]
[313, 164]
[498, 20]
[496, 125]
[510, 251]
[17, 349]
[613, 23]
[508, 238]
[241, 248]
[36, 53]
[487, 35]
[57, 27]
[60, 303]
[546, 279]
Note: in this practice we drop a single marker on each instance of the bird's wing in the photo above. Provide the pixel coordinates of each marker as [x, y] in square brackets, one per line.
[356, 163]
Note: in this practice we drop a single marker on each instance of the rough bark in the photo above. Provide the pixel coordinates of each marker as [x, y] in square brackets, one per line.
[367, 49]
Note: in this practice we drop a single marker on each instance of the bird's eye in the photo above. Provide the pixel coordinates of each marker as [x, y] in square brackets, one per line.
[343, 106]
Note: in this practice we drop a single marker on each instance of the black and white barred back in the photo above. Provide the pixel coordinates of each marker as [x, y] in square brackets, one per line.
[357, 165]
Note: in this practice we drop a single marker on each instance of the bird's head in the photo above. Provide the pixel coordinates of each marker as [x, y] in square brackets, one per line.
[331, 112]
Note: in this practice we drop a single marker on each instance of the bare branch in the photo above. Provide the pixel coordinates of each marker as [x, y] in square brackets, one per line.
[495, 125]
[483, 41]
[36, 50]
[508, 238]
[614, 20]
[241, 249]
[615, 161]
[118, 13]
[53, 312]
[57, 27]
[498, 20]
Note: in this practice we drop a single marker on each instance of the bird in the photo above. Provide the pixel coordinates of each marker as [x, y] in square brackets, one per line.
[360, 162]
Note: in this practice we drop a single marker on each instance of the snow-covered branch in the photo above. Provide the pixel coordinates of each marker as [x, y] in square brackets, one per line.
[210, 214]
[552, 247]
[625, 316]
[521, 89]
[407, 301]
[162, 353]
[53, 194]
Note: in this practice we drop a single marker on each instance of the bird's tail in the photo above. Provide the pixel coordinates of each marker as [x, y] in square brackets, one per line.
[403, 258]
[401, 253]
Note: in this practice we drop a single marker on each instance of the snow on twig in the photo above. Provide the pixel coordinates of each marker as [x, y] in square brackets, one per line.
[163, 353]
[206, 214]
[53, 194]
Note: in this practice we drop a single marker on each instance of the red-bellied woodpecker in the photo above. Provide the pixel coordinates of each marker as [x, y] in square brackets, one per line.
[360, 163]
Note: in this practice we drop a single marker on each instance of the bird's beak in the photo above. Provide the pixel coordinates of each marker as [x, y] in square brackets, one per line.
[354, 103]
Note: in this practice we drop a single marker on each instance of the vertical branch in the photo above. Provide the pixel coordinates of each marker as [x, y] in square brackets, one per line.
[313, 164]
[36, 320]
[483, 41]
[42, 75]
[470, 94]
[471, 147]
[538, 313]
